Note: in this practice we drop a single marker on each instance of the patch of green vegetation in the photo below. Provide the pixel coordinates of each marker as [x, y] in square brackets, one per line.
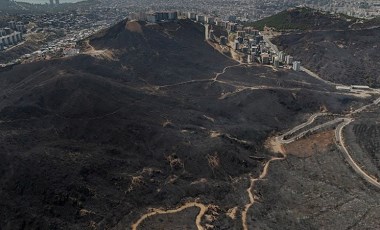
[285, 20]
[302, 18]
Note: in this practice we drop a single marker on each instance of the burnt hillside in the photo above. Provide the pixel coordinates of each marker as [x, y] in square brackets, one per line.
[94, 140]
[347, 56]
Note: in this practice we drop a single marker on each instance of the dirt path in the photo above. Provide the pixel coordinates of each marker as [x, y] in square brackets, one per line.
[214, 79]
[231, 58]
[104, 54]
[184, 83]
[225, 70]
[202, 210]
[252, 197]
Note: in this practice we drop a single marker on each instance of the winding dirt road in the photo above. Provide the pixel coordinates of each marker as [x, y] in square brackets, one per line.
[252, 197]
[202, 210]
[225, 69]
[214, 79]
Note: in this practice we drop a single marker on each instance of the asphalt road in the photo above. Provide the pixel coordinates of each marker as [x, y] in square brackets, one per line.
[337, 120]
[298, 127]
[340, 142]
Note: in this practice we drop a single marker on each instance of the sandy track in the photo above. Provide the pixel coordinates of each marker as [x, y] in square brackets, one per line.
[202, 210]
[252, 197]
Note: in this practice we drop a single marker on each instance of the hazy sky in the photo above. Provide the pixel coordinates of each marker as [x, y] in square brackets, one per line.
[46, 1]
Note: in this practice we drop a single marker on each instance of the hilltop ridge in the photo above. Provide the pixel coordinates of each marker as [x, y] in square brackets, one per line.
[165, 48]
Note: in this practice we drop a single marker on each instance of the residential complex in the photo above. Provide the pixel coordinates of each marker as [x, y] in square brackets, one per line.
[11, 35]
[246, 43]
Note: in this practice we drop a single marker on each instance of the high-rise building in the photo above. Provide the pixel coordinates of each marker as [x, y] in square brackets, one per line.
[4, 41]
[162, 16]
[281, 56]
[276, 62]
[289, 60]
[207, 28]
[241, 33]
[211, 34]
[222, 24]
[8, 30]
[51, 2]
[210, 20]
[12, 25]
[296, 66]
[255, 50]
[231, 27]
[274, 56]
[265, 58]
[249, 58]
[191, 16]
[200, 18]
[173, 15]
[20, 27]
[18, 36]
[152, 18]
[258, 39]
[236, 45]
[57, 2]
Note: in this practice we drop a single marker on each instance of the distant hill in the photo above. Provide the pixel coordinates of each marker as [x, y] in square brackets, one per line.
[303, 18]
